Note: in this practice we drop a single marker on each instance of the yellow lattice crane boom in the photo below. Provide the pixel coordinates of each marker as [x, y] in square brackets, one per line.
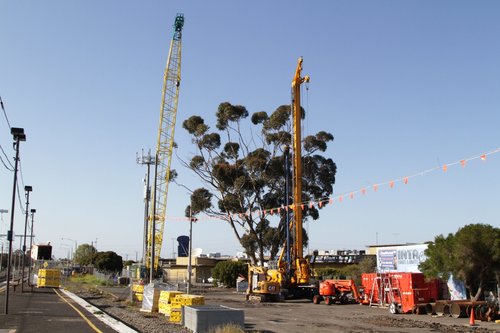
[165, 146]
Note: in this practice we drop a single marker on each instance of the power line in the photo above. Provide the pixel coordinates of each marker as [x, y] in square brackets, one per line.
[5, 165]
[7, 158]
[5, 113]
[21, 172]
[19, 198]
[1, 148]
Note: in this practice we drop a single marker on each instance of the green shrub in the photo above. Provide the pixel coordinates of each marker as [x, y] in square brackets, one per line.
[226, 272]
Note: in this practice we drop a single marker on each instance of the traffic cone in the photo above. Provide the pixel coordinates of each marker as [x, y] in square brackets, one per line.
[472, 321]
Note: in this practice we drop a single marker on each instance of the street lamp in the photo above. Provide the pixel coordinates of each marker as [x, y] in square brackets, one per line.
[33, 211]
[70, 251]
[18, 136]
[28, 189]
[2, 211]
[191, 220]
[76, 246]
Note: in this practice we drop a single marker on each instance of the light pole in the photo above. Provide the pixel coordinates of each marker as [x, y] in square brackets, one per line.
[33, 211]
[152, 232]
[2, 211]
[191, 220]
[18, 135]
[148, 160]
[70, 251]
[28, 189]
[76, 247]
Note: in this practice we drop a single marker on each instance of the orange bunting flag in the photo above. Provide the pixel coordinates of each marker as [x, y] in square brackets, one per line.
[375, 187]
[351, 195]
[391, 183]
[483, 157]
[445, 167]
[320, 203]
[405, 180]
[462, 163]
[363, 191]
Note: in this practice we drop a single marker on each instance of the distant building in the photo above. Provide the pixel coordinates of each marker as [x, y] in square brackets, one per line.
[175, 271]
[338, 258]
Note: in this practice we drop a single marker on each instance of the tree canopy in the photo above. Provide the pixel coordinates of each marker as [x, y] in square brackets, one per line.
[472, 255]
[84, 254]
[226, 272]
[242, 167]
[108, 261]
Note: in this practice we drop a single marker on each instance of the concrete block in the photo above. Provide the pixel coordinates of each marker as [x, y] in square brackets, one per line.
[202, 318]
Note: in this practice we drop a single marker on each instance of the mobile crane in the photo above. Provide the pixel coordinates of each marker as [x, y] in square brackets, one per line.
[164, 148]
[292, 275]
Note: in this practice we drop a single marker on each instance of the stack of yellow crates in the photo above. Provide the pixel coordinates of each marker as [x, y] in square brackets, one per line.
[165, 302]
[181, 300]
[176, 315]
[137, 292]
[48, 278]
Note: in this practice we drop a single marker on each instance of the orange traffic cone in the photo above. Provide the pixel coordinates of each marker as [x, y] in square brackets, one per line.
[472, 321]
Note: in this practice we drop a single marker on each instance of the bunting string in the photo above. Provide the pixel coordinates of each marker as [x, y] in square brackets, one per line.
[340, 197]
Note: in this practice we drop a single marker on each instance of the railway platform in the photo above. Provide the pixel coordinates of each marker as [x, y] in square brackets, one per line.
[49, 310]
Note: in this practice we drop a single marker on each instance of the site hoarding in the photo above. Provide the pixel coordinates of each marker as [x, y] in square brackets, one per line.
[403, 258]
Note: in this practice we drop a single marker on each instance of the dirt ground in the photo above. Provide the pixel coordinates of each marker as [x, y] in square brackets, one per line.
[296, 316]
[304, 316]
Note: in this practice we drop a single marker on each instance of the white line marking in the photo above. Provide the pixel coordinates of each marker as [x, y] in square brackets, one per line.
[105, 318]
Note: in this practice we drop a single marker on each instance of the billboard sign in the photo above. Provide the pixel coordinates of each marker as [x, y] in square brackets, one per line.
[404, 258]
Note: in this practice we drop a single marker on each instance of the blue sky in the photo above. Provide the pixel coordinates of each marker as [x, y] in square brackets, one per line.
[403, 86]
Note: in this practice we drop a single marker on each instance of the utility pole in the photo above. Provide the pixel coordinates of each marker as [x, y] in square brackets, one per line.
[33, 211]
[92, 251]
[18, 135]
[153, 227]
[191, 220]
[76, 247]
[146, 160]
[2, 211]
[28, 189]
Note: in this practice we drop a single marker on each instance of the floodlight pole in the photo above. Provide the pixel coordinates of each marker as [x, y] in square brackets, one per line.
[189, 251]
[28, 189]
[18, 135]
[152, 232]
[148, 160]
[76, 247]
[2, 211]
[33, 211]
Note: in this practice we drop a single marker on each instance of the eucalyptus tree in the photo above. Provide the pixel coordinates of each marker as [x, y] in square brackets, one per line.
[242, 168]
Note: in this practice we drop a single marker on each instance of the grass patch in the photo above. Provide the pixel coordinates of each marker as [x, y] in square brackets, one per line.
[85, 282]
[88, 279]
[228, 328]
